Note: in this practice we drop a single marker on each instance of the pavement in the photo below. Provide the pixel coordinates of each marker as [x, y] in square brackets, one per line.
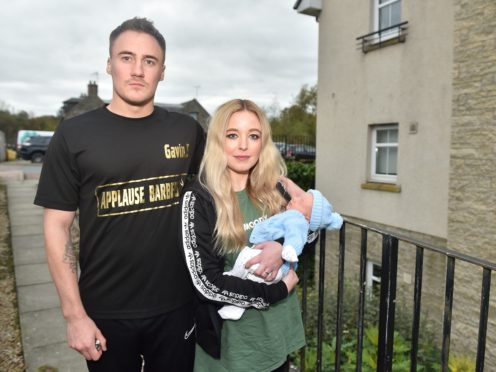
[42, 325]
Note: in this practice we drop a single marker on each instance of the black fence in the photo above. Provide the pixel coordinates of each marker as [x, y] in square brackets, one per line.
[387, 299]
[383, 37]
[296, 147]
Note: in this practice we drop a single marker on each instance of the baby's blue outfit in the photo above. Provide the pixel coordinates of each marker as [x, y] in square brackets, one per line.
[293, 227]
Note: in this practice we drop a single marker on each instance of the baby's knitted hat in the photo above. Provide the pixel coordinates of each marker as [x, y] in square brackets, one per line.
[322, 214]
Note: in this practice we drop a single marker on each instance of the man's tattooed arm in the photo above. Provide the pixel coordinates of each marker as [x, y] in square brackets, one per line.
[70, 257]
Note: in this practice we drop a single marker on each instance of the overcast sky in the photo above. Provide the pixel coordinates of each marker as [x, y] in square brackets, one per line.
[216, 50]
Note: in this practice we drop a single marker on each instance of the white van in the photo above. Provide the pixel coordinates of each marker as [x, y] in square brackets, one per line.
[23, 135]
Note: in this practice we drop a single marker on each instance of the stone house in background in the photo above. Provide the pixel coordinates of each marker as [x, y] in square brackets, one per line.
[192, 108]
[406, 140]
[86, 102]
[76, 106]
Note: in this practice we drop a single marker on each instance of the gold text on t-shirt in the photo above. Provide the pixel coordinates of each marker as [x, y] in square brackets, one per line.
[176, 151]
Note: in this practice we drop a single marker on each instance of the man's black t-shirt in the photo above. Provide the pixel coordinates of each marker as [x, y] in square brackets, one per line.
[125, 175]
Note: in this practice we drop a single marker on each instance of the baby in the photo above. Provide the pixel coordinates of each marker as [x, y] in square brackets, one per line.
[293, 225]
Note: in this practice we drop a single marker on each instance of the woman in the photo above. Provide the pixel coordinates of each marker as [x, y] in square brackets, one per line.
[235, 190]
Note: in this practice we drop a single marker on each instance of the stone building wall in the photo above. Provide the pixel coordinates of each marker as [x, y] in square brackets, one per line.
[472, 194]
[463, 45]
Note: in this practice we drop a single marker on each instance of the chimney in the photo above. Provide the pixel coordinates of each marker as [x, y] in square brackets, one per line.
[92, 89]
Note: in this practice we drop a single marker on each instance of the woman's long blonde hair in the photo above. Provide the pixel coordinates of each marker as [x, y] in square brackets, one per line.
[214, 175]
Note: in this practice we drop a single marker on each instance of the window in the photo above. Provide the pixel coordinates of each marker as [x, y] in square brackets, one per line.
[387, 14]
[373, 278]
[388, 28]
[384, 156]
[194, 115]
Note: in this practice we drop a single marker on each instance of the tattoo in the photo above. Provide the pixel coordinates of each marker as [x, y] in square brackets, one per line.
[70, 257]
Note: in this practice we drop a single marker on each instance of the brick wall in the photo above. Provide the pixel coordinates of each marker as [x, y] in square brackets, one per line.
[472, 194]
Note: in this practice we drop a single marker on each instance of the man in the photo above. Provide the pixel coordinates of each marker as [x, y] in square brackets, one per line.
[123, 166]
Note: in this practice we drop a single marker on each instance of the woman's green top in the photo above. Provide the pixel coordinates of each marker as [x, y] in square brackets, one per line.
[262, 339]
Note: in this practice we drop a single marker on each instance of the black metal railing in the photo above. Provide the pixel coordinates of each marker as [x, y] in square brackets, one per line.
[378, 39]
[296, 147]
[387, 301]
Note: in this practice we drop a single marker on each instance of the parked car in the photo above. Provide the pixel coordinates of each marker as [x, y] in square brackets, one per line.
[34, 148]
[301, 152]
[282, 147]
[24, 134]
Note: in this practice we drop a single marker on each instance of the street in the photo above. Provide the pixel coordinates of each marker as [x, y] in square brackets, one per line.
[30, 170]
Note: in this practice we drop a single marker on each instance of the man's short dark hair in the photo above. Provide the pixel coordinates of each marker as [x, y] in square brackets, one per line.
[139, 25]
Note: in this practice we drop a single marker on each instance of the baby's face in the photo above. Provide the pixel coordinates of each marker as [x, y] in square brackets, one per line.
[303, 203]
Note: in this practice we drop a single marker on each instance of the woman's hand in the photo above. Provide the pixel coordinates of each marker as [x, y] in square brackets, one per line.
[291, 280]
[269, 260]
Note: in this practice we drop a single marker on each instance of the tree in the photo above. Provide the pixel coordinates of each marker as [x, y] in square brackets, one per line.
[11, 123]
[300, 118]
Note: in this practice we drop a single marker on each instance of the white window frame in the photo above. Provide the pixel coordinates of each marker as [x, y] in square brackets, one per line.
[370, 278]
[379, 177]
[377, 7]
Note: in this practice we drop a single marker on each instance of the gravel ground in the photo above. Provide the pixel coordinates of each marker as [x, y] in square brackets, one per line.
[11, 358]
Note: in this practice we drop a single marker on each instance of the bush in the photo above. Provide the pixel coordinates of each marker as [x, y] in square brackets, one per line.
[303, 174]
[428, 357]
[461, 363]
